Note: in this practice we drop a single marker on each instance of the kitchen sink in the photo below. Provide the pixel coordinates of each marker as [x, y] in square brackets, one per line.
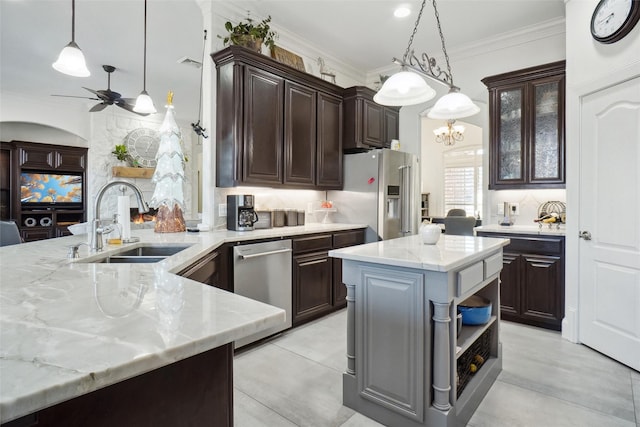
[140, 255]
[153, 251]
[117, 259]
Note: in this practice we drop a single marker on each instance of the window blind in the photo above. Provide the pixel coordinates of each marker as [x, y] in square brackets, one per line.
[463, 180]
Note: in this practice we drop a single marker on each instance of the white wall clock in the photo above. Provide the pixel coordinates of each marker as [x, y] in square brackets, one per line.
[142, 144]
[612, 20]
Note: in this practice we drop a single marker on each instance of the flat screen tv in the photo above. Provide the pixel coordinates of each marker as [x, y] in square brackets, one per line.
[50, 189]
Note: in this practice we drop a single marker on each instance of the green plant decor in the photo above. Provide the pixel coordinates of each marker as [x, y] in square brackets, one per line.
[121, 153]
[250, 29]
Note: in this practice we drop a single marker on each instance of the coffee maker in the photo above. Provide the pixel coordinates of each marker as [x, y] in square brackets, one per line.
[240, 212]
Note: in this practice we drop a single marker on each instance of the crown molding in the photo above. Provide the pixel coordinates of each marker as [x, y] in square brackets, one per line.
[532, 33]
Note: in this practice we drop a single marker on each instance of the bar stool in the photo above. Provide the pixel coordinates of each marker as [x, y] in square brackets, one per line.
[9, 233]
[459, 225]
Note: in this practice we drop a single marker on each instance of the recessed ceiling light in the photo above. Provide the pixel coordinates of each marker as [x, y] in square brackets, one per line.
[402, 12]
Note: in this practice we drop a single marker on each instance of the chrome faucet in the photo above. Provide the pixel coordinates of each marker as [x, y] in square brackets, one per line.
[97, 230]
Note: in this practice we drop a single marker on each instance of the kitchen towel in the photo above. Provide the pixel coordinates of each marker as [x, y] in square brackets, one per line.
[124, 217]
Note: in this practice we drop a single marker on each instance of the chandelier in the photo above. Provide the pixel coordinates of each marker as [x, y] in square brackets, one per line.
[449, 134]
[408, 87]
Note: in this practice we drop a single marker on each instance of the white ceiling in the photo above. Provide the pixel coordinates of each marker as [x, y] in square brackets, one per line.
[361, 33]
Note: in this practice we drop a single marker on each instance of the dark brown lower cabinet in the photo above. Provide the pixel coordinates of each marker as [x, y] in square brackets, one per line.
[317, 278]
[33, 234]
[197, 391]
[210, 269]
[532, 279]
[543, 292]
[510, 285]
[312, 282]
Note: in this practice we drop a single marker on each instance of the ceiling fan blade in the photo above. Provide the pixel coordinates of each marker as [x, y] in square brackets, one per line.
[95, 92]
[81, 97]
[98, 107]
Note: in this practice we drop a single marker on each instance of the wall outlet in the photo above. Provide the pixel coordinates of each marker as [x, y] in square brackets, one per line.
[515, 208]
[500, 209]
[222, 209]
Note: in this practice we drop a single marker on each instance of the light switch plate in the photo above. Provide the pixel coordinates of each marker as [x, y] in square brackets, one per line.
[500, 209]
[222, 209]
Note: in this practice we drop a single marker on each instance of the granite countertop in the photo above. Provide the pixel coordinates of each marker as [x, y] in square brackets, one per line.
[524, 229]
[449, 253]
[70, 327]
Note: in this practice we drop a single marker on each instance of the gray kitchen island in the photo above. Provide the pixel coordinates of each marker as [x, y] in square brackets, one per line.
[406, 363]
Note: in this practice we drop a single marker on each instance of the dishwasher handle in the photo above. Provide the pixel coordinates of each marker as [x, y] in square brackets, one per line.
[259, 254]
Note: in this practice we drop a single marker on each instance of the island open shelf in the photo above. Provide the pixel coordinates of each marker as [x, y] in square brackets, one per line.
[470, 334]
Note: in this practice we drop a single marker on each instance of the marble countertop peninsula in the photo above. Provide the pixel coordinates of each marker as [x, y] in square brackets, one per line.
[524, 229]
[69, 327]
[449, 253]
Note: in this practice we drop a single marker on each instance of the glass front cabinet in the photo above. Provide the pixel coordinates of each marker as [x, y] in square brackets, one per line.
[526, 128]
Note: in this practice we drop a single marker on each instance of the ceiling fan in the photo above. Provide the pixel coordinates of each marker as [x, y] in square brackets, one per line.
[107, 96]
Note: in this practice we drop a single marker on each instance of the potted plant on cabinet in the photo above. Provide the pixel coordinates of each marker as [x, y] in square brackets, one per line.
[250, 34]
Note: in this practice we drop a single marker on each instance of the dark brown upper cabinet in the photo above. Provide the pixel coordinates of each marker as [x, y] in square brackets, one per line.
[367, 125]
[51, 157]
[527, 128]
[300, 134]
[329, 141]
[262, 142]
[276, 126]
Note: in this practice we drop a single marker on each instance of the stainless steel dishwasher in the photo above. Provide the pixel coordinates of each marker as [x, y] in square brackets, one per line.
[262, 271]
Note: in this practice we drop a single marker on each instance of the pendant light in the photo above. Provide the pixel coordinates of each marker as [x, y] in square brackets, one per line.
[71, 59]
[144, 103]
[404, 88]
[452, 106]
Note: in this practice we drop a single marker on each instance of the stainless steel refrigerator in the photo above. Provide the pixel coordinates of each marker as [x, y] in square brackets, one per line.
[381, 189]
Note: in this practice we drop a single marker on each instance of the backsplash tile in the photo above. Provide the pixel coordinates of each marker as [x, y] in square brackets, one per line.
[529, 200]
[270, 198]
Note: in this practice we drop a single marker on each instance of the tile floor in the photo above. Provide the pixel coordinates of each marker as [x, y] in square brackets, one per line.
[295, 379]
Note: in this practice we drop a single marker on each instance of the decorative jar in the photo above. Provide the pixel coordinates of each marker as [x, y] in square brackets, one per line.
[430, 233]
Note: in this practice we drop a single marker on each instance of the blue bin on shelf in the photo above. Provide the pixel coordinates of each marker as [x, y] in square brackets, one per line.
[475, 310]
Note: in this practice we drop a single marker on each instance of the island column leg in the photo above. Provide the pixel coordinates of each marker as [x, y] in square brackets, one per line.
[441, 356]
[351, 325]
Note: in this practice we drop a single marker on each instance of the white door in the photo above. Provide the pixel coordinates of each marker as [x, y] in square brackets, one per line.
[609, 279]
